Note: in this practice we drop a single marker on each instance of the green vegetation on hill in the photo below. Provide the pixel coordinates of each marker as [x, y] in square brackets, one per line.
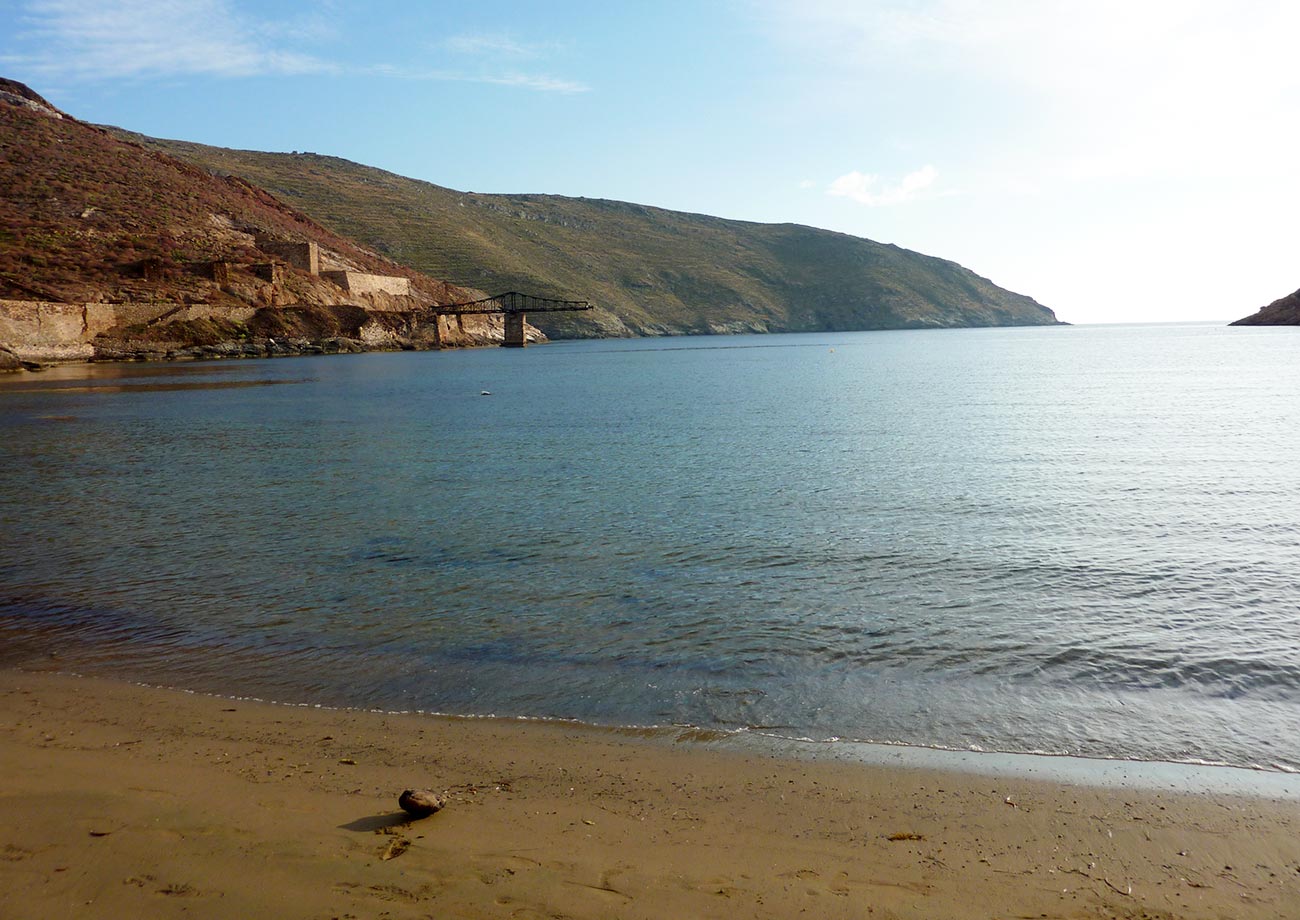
[83, 210]
[649, 270]
[112, 250]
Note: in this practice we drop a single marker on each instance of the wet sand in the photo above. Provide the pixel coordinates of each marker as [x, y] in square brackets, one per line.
[124, 801]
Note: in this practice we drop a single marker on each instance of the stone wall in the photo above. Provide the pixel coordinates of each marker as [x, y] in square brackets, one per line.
[305, 256]
[218, 271]
[362, 283]
[268, 271]
[45, 331]
[42, 331]
[105, 317]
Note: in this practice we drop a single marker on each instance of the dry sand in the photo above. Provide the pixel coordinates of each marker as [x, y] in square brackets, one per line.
[121, 801]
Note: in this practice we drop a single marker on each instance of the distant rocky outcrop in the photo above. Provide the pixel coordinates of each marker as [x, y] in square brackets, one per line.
[1285, 311]
[112, 250]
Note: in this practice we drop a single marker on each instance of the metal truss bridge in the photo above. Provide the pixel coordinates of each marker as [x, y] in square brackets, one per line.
[514, 305]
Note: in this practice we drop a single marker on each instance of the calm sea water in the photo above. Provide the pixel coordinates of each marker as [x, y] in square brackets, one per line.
[1070, 540]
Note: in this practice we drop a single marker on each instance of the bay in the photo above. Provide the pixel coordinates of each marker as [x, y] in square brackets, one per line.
[1069, 540]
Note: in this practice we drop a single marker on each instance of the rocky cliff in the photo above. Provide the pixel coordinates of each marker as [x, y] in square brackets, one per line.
[1285, 311]
[111, 250]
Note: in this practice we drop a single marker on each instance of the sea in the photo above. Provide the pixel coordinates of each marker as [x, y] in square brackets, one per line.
[1080, 541]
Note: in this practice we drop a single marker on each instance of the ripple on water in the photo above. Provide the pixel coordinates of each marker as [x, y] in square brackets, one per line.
[1016, 540]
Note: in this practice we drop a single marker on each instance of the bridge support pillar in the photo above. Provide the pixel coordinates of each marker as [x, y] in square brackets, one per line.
[514, 331]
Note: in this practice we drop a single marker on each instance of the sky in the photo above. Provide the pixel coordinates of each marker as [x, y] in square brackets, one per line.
[1116, 160]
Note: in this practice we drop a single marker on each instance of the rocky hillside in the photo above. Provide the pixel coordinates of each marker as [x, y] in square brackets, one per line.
[109, 249]
[649, 270]
[1285, 311]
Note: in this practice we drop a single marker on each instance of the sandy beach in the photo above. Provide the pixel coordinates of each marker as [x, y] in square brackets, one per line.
[125, 801]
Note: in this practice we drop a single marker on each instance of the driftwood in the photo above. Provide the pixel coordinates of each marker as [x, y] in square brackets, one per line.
[420, 803]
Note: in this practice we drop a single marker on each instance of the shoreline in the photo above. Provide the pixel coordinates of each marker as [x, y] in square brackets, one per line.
[1120, 771]
[129, 800]
[1254, 777]
[245, 353]
[1190, 777]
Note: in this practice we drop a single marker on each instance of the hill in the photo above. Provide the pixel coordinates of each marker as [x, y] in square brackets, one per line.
[111, 249]
[649, 270]
[1285, 311]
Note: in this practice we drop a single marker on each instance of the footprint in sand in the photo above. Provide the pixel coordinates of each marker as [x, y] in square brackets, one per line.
[179, 890]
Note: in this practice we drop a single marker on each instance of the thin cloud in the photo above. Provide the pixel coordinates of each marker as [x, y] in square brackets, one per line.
[490, 49]
[114, 39]
[532, 81]
[85, 40]
[867, 189]
[493, 45]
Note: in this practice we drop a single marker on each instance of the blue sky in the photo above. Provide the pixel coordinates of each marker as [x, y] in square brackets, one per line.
[1118, 161]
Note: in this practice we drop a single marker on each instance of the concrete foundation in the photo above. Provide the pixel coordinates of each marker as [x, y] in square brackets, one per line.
[514, 331]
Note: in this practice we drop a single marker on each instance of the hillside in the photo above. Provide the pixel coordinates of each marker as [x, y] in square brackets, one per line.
[1285, 311]
[649, 270]
[109, 249]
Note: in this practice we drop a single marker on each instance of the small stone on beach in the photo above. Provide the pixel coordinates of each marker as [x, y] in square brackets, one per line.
[421, 803]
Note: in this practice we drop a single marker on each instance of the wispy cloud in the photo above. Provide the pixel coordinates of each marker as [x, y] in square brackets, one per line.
[484, 54]
[495, 45]
[113, 39]
[868, 189]
[122, 39]
[533, 81]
